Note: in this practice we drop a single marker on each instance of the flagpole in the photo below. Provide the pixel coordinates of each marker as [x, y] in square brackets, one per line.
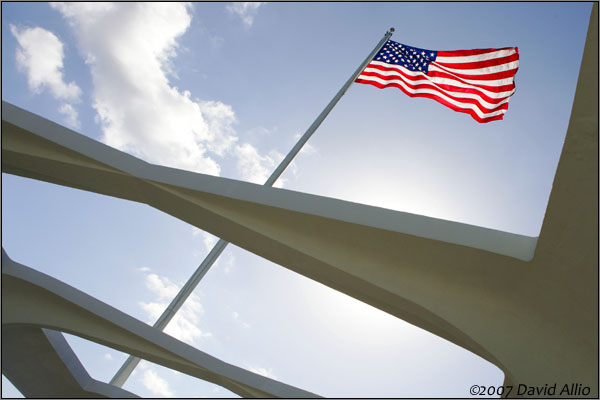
[311, 129]
[131, 362]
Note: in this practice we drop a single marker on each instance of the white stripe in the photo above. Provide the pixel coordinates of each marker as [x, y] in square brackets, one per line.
[480, 71]
[496, 82]
[470, 106]
[425, 80]
[476, 82]
[475, 58]
[395, 66]
[453, 82]
[444, 81]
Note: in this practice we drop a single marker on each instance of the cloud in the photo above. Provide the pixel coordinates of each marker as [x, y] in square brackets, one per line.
[208, 239]
[307, 149]
[263, 371]
[161, 286]
[153, 382]
[245, 10]
[224, 262]
[228, 264]
[72, 118]
[185, 324]
[40, 54]
[256, 168]
[236, 317]
[129, 48]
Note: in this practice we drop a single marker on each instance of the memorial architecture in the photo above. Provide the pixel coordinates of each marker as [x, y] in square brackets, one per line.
[528, 305]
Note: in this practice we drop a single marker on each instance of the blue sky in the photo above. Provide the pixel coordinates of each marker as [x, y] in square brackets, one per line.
[227, 89]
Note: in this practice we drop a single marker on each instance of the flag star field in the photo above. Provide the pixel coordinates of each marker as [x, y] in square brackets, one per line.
[411, 58]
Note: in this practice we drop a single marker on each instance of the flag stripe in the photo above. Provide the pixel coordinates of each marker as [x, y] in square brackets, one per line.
[444, 79]
[498, 78]
[498, 85]
[465, 53]
[469, 110]
[457, 98]
[477, 57]
[478, 64]
[488, 72]
[445, 85]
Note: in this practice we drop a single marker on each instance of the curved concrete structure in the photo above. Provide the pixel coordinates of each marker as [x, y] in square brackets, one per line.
[33, 299]
[37, 148]
[530, 309]
[41, 364]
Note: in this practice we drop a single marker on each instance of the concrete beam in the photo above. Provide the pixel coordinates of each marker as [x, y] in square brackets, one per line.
[41, 364]
[34, 299]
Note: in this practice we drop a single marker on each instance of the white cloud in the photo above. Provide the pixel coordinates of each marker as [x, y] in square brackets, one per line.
[40, 54]
[185, 324]
[236, 317]
[307, 149]
[72, 118]
[129, 48]
[263, 371]
[153, 382]
[219, 118]
[256, 168]
[208, 239]
[229, 263]
[245, 10]
[161, 286]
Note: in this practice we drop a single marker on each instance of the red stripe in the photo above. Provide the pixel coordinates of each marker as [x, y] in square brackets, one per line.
[455, 98]
[495, 89]
[438, 86]
[481, 64]
[474, 52]
[399, 70]
[395, 70]
[484, 77]
[437, 98]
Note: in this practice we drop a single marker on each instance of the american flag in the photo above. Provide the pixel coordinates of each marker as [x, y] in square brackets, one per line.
[477, 82]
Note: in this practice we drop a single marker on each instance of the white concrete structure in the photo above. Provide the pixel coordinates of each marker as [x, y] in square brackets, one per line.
[528, 305]
[31, 299]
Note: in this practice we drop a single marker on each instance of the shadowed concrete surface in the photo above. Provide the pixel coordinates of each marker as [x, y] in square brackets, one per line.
[528, 305]
[34, 299]
[43, 357]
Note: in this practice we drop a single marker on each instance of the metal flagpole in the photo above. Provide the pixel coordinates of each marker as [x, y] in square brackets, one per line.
[131, 362]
